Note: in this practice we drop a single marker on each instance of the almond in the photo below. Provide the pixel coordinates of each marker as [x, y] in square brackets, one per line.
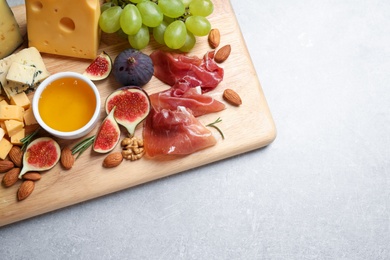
[67, 158]
[6, 165]
[112, 160]
[32, 176]
[25, 189]
[11, 177]
[232, 97]
[214, 38]
[222, 54]
[16, 155]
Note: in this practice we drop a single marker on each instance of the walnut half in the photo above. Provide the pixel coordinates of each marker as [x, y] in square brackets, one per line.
[132, 148]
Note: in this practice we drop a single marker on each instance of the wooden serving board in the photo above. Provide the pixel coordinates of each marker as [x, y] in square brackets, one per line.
[246, 128]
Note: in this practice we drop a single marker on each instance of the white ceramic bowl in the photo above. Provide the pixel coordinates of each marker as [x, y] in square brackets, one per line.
[72, 134]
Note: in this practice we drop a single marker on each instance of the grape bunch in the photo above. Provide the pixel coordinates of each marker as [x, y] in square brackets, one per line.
[174, 23]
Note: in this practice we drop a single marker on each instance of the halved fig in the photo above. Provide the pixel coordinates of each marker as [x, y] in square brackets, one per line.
[108, 134]
[133, 68]
[100, 68]
[132, 106]
[40, 155]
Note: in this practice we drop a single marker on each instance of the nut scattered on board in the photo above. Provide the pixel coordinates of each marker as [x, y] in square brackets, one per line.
[16, 155]
[6, 165]
[11, 177]
[232, 97]
[112, 160]
[133, 148]
[25, 189]
[67, 158]
[32, 176]
[214, 38]
[223, 53]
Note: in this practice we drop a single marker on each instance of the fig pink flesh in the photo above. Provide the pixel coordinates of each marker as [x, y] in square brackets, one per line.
[42, 154]
[130, 106]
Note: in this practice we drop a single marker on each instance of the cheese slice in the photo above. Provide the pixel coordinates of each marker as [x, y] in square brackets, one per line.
[10, 36]
[69, 28]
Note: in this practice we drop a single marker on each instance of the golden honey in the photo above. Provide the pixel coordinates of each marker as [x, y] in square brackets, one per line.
[67, 104]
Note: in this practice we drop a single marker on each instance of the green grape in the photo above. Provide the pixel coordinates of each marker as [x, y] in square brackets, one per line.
[201, 7]
[189, 43]
[175, 35]
[151, 13]
[105, 6]
[136, 1]
[171, 8]
[130, 20]
[158, 32]
[109, 19]
[186, 2]
[141, 39]
[168, 19]
[198, 25]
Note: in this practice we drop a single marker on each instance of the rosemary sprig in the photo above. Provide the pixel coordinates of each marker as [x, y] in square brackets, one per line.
[83, 145]
[216, 127]
[28, 138]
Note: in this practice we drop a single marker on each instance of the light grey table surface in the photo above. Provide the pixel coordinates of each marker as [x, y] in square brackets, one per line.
[321, 190]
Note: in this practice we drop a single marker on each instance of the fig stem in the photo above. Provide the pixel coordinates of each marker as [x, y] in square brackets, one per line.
[131, 60]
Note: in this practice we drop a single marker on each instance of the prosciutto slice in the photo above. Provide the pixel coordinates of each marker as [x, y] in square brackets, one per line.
[172, 67]
[175, 132]
[183, 95]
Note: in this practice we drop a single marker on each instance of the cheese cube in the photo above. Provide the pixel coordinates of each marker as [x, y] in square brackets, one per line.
[22, 74]
[69, 28]
[3, 102]
[2, 126]
[15, 139]
[8, 112]
[5, 147]
[21, 100]
[13, 126]
[10, 36]
[29, 118]
[2, 133]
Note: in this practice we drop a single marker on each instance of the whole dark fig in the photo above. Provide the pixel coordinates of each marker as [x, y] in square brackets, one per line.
[133, 68]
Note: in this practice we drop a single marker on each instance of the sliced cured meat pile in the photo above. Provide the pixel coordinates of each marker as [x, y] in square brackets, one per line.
[185, 96]
[172, 127]
[172, 68]
[175, 132]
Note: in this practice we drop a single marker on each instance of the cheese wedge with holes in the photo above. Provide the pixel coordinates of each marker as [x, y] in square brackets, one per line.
[69, 28]
[10, 36]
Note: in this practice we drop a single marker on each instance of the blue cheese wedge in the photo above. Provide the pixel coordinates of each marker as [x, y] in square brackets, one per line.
[22, 74]
[29, 57]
